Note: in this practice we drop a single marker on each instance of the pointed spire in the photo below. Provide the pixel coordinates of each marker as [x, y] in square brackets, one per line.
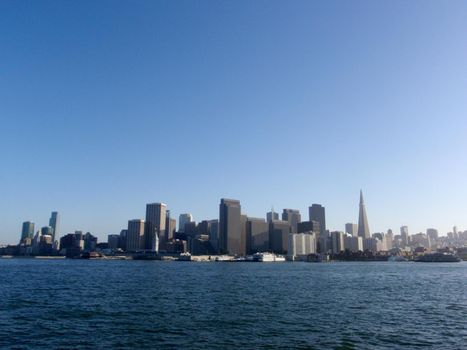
[363, 228]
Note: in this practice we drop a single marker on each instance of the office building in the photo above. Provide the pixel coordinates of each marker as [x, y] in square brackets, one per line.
[154, 224]
[214, 234]
[337, 242]
[363, 228]
[170, 226]
[54, 222]
[353, 244]
[135, 235]
[113, 241]
[318, 213]
[183, 219]
[279, 236]
[405, 236]
[308, 226]
[230, 230]
[300, 245]
[293, 217]
[27, 230]
[351, 229]
[257, 232]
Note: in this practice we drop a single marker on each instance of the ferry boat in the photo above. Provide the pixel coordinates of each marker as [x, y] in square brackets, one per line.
[268, 257]
[437, 257]
[184, 257]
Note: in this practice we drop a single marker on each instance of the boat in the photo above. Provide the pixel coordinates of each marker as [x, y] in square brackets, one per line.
[437, 257]
[268, 257]
[397, 258]
[184, 257]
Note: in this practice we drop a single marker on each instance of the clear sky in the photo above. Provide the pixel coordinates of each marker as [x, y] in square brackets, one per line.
[108, 105]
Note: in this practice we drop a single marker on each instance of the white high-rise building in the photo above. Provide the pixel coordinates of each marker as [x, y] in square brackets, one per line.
[301, 244]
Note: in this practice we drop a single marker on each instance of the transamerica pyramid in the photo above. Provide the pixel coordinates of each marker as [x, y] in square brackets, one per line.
[363, 229]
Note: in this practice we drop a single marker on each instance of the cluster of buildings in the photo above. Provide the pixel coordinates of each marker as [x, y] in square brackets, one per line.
[234, 233]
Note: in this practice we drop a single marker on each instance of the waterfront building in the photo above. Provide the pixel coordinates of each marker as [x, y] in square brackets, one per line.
[301, 245]
[154, 224]
[271, 215]
[257, 232]
[293, 217]
[351, 229]
[183, 219]
[112, 241]
[72, 244]
[337, 242]
[230, 230]
[27, 230]
[122, 240]
[54, 222]
[135, 237]
[90, 242]
[363, 228]
[370, 244]
[353, 244]
[279, 236]
[318, 213]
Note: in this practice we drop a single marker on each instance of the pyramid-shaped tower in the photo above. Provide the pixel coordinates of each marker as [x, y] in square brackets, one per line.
[363, 228]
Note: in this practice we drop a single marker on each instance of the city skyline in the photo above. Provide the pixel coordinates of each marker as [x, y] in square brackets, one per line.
[156, 220]
[275, 105]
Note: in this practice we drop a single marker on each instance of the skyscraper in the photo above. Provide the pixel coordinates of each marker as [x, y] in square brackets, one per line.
[182, 220]
[318, 213]
[54, 222]
[135, 237]
[405, 236]
[363, 228]
[155, 223]
[230, 230]
[293, 217]
[27, 230]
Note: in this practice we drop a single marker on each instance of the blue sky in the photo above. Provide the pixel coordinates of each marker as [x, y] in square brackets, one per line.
[108, 105]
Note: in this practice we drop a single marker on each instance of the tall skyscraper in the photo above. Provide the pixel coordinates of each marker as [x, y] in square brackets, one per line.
[257, 231]
[230, 230]
[293, 217]
[363, 228]
[318, 213]
[405, 236]
[135, 236]
[27, 230]
[54, 222]
[184, 219]
[155, 224]
[351, 229]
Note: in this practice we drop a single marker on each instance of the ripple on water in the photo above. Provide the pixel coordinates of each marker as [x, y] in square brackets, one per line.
[74, 304]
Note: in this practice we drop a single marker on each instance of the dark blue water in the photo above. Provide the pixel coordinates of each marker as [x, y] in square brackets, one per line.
[153, 304]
